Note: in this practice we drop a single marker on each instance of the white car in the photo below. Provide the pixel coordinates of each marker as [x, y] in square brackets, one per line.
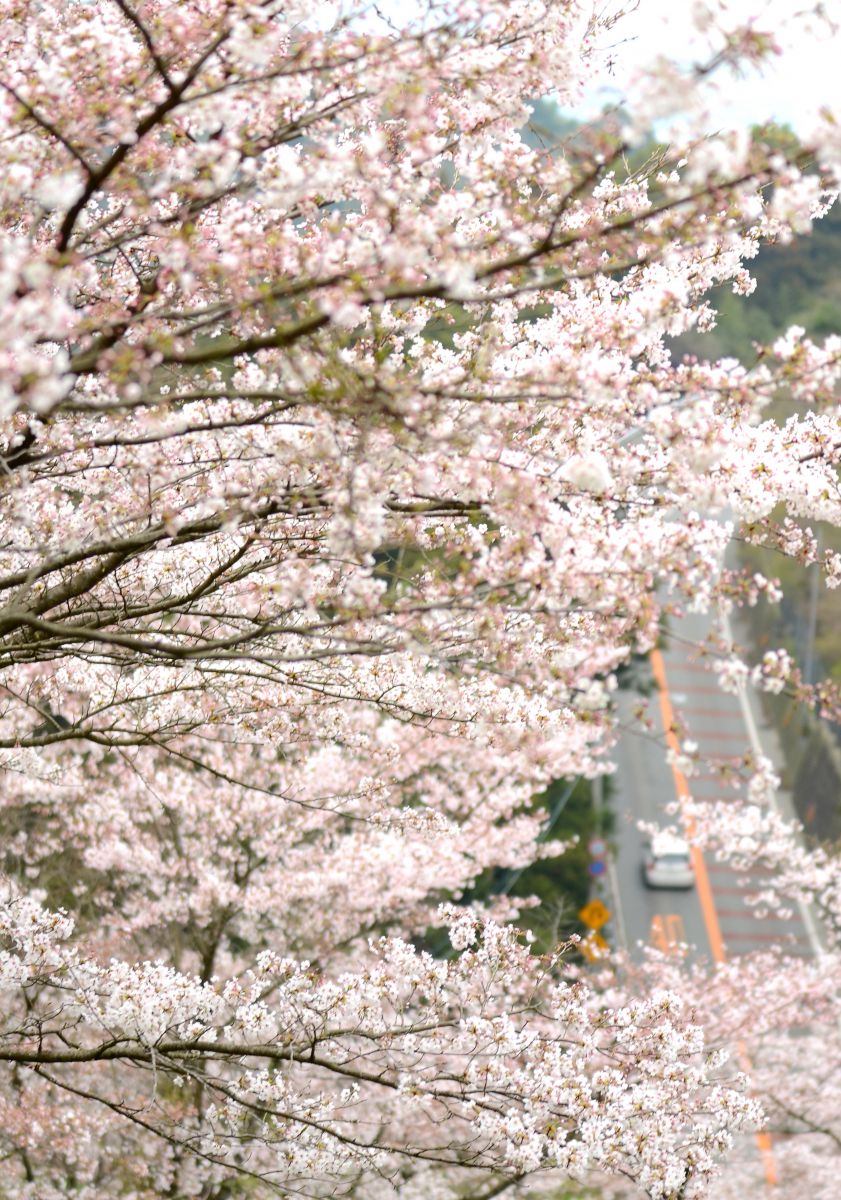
[668, 863]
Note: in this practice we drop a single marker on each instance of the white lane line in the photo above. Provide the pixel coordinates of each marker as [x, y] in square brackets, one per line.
[806, 913]
[618, 914]
[612, 875]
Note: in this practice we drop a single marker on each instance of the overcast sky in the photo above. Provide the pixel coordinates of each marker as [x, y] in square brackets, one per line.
[791, 89]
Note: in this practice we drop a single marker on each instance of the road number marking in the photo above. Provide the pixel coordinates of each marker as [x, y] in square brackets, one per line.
[667, 932]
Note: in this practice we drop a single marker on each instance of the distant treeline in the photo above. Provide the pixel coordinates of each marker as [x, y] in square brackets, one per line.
[797, 284]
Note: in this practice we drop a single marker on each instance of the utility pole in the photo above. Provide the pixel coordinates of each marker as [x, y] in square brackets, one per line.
[812, 621]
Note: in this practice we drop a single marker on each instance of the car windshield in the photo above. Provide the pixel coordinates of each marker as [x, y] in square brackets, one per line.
[672, 860]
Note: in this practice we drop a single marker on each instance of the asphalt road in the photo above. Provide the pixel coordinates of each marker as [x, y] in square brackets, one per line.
[713, 921]
[714, 918]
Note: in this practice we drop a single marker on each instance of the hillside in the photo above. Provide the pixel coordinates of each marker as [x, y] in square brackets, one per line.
[797, 284]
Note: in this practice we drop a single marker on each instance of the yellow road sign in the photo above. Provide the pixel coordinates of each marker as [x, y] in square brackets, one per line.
[593, 946]
[594, 914]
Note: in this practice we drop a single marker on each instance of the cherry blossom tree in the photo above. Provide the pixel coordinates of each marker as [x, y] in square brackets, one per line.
[344, 467]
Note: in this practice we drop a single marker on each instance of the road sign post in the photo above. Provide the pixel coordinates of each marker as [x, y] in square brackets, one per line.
[595, 914]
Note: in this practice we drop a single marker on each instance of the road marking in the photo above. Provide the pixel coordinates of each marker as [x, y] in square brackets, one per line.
[704, 891]
[691, 710]
[657, 934]
[668, 933]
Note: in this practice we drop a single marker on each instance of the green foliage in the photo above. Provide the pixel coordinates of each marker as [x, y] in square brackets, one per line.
[562, 883]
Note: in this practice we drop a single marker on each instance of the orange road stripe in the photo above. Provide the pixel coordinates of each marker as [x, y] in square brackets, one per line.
[702, 887]
[766, 1149]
